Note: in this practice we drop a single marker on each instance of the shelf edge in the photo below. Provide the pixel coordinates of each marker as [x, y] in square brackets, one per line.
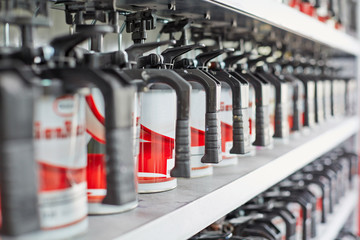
[241, 190]
[293, 21]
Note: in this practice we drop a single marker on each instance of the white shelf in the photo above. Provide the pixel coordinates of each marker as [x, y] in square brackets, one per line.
[287, 18]
[341, 214]
[196, 203]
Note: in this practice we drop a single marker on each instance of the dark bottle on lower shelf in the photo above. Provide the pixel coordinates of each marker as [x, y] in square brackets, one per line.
[298, 205]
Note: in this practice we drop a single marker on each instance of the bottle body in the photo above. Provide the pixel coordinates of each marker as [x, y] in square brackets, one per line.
[60, 151]
[157, 140]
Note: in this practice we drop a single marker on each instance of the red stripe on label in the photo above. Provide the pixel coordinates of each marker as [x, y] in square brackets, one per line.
[199, 168]
[338, 25]
[323, 19]
[319, 204]
[302, 119]
[154, 153]
[147, 180]
[96, 171]
[250, 126]
[54, 177]
[226, 135]
[307, 8]
[95, 198]
[66, 225]
[149, 135]
[299, 220]
[153, 158]
[197, 137]
[96, 175]
[90, 101]
[294, 3]
[272, 122]
[291, 121]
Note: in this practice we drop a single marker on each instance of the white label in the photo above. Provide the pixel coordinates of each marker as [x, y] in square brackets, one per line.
[301, 89]
[61, 208]
[320, 100]
[225, 113]
[311, 101]
[60, 145]
[272, 96]
[60, 140]
[327, 97]
[158, 111]
[197, 109]
[197, 121]
[353, 96]
[158, 115]
[290, 99]
[252, 113]
[226, 118]
[136, 124]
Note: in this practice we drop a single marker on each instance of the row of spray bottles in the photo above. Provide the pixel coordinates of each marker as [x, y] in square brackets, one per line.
[84, 130]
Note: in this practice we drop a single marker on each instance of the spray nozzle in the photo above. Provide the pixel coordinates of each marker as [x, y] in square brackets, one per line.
[137, 50]
[184, 63]
[232, 59]
[137, 23]
[204, 58]
[177, 26]
[152, 60]
[62, 46]
[171, 54]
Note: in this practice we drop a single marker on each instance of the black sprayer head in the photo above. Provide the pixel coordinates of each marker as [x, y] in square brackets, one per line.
[171, 54]
[205, 57]
[232, 59]
[177, 26]
[137, 23]
[64, 44]
[137, 50]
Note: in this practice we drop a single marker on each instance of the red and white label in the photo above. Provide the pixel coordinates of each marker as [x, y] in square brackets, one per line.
[316, 190]
[301, 101]
[157, 135]
[226, 118]
[197, 126]
[296, 210]
[197, 121]
[95, 121]
[252, 113]
[96, 177]
[272, 102]
[60, 149]
[290, 105]
[95, 127]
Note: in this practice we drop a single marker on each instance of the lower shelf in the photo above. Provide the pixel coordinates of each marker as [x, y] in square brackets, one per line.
[196, 203]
